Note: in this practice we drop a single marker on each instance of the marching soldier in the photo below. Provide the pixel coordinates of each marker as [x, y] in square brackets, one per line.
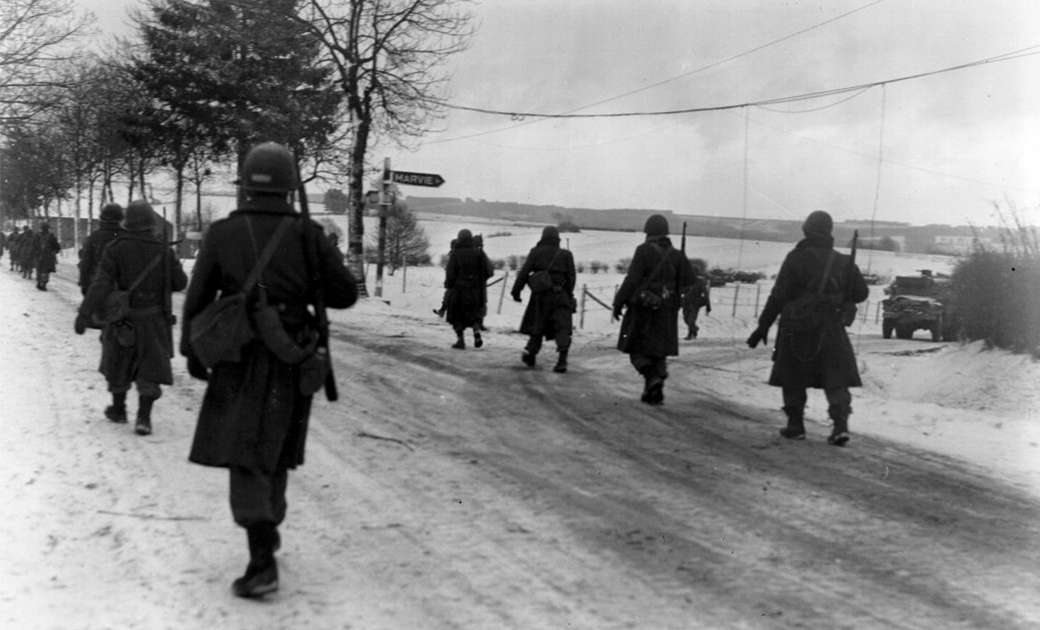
[45, 255]
[254, 415]
[812, 346]
[110, 228]
[135, 349]
[649, 297]
[549, 272]
[465, 280]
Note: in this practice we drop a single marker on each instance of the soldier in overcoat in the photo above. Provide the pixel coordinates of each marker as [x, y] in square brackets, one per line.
[109, 229]
[821, 357]
[25, 252]
[650, 334]
[696, 297]
[254, 418]
[45, 255]
[549, 311]
[135, 351]
[465, 279]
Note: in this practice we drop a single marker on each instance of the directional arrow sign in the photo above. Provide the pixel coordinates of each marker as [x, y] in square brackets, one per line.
[417, 179]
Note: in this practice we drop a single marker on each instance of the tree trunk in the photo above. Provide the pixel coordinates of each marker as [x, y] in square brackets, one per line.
[356, 201]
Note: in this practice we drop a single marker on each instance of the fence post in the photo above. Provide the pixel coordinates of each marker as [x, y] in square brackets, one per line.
[581, 317]
[877, 313]
[736, 294]
[404, 277]
[758, 294]
[502, 295]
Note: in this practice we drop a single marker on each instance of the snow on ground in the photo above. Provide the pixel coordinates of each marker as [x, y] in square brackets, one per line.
[958, 400]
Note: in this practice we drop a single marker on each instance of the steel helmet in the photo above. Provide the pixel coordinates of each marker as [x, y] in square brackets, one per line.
[268, 167]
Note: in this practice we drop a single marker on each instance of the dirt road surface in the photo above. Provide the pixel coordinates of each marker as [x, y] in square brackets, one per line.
[463, 490]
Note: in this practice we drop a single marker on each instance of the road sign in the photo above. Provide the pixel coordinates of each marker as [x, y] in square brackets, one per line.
[417, 179]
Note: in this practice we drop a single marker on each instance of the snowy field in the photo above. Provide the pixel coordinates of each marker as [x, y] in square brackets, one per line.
[92, 508]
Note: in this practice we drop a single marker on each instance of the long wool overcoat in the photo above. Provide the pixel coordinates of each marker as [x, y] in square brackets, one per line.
[45, 252]
[646, 332]
[90, 255]
[252, 414]
[821, 358]
[465, 279]
[123, 262]
[540, 315]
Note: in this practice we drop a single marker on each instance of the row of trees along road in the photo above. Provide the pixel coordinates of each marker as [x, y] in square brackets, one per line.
[201, 81]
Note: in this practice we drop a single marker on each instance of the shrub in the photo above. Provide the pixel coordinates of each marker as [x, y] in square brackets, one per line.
[596, 266]
[622, 265]
[995, 295]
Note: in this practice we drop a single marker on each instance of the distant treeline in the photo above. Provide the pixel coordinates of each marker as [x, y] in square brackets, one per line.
[887, 235]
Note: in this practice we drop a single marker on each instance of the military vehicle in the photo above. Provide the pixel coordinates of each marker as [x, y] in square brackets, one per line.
[918, 303]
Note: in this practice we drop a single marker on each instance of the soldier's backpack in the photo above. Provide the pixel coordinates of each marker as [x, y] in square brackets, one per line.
[117, 304]
[218, 332]
[541, 281]
[651, 295]
[811, 311]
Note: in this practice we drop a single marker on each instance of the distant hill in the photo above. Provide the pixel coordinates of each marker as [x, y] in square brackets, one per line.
[929, 239]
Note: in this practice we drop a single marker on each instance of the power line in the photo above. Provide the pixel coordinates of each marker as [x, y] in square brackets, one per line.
[665, 81]
[731, 58]
[1017, 54]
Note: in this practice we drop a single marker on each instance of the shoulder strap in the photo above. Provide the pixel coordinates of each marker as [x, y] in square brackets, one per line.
[555, 256]
[660, 263]
[826, 273]
[268, 253]
[151, 265]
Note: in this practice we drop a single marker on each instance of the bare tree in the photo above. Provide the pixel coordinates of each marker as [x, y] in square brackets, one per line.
[390, 57]
[36, 39]
[406, 240]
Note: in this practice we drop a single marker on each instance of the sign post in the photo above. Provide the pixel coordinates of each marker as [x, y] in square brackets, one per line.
[384, 210]
[431, 180]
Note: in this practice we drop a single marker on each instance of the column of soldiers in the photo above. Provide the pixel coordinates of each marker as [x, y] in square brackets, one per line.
[254, 415]
[33, 252]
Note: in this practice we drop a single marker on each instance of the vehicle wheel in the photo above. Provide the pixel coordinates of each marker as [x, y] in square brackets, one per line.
[886, 328]
[937, 329]
[904, 332]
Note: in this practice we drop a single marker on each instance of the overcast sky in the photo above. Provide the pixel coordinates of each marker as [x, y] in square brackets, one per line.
[952, 143]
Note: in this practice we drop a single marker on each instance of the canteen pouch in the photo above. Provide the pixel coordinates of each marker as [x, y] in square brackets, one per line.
[271, 331]
[116, 308]
[313, 371]
[219, 331]
[806, 313]
[540, 281]
[651, 300]
[123, 332]
[848, 313]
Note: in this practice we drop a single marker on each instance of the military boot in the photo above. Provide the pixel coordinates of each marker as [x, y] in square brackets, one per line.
[840, 434]
[116, 412]
[261, 576]
[561, 363]
[795, 429]
[460, 343]
[144, 415]
[528, 358]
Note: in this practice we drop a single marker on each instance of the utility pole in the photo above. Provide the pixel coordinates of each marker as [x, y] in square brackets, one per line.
[384, 210]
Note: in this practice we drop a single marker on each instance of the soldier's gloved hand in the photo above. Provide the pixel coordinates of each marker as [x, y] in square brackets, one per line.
[80, 325]
[616, 314]
[707, 309]
[517, 298]
[761, 335]
[196, 369]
